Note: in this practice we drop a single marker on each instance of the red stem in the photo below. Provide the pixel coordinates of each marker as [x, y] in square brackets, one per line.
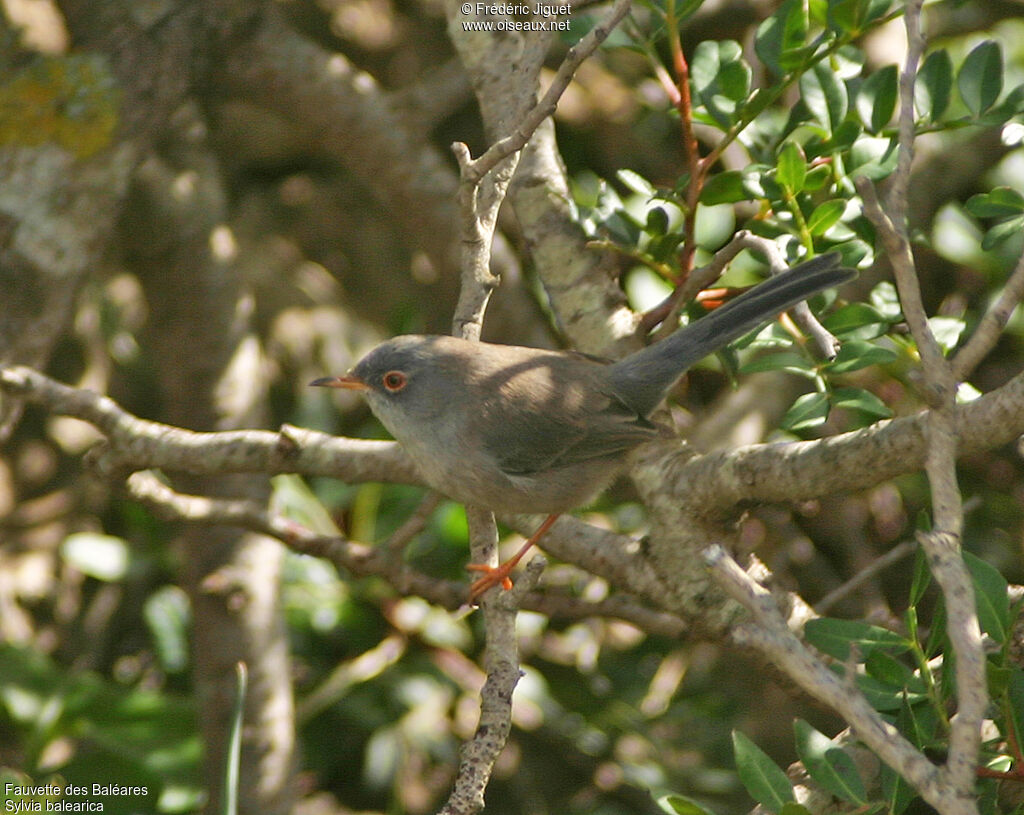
[696, 167]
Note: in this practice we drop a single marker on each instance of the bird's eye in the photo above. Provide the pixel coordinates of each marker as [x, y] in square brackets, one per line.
[394, 381]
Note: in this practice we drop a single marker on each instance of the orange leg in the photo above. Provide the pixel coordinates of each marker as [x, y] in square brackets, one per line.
[495, 575]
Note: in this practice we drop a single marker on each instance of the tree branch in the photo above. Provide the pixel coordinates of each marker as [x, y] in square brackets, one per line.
[772, 636]
[475, 170]
[715, 482]
[136, 444]
[379, 560]
[696, 485]
[942, 543]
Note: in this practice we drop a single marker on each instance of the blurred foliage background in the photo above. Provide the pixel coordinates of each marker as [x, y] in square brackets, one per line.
[96, 624]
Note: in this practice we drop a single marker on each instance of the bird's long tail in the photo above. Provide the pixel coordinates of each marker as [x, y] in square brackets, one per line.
[643, 379]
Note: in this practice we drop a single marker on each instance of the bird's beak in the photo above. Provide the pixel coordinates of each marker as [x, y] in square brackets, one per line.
[352, 383]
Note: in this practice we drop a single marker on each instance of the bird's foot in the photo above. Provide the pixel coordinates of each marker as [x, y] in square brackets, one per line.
[492, 576]
[499, 575]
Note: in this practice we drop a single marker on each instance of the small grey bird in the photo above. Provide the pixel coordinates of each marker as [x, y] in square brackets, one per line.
[517, 429]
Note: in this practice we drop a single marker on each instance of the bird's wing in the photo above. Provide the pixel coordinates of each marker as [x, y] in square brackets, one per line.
[576, 422]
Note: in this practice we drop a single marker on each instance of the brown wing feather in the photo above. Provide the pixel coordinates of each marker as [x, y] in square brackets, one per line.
[573, 417]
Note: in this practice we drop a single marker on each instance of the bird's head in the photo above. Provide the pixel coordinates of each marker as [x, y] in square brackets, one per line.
[405, 379]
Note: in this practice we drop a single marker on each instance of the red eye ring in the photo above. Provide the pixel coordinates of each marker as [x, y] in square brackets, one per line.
[394, 381]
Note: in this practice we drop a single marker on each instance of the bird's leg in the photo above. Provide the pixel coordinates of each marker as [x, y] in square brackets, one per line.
[495, 575]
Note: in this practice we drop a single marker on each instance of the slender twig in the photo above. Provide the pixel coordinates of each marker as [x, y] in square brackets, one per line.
[696, 168]
[483, 184]
[896, 248]
[354, 558]
[991, 326]
[897, 200]
[942, 543]
[476, 169]
[412, 526]
[897, 553]
[377, 561]
[501, 664]
[134, 443]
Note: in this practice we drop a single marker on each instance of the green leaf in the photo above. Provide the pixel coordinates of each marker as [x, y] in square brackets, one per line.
[735, 76]
[921, 580]
[834, 637]
[718, 67]
[817, 177]
[844, 136]
[879, 665]
[844, 15]
[793, 808]
[766, 783]
[874, 158]
[724, 188]
[825, 216]
[828, 764]
[856, 354]
[856, 321]
[854, 251]
[852, 16]
[884, 696]
[770, 187]
[862, 401]
[947, 331]
[1001, 202]
[918, 723]
[997, 678]
[291, 497]
[938, 638]
[104, 557]
[1015, 695]
[898, 793]
[1001, 232]
[704, 66]
[675, 804]
[876, 101]
[636, 182]
[1012, 105]
[780, 39]
[657, 221]
[809, 411]
[886, 301]
[824, 93]
[792, 168]
[980, 80]
[990, 595]
[168, 616]
[875, 9]
[780, 361]
[934, 85]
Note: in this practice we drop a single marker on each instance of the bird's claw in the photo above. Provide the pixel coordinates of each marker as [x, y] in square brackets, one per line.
[492, 576]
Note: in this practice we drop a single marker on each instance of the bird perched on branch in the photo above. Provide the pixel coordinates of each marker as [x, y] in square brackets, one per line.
[516, 429]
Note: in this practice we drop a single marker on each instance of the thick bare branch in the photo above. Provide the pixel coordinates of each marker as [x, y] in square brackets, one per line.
[850, 461]
[135, 444]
